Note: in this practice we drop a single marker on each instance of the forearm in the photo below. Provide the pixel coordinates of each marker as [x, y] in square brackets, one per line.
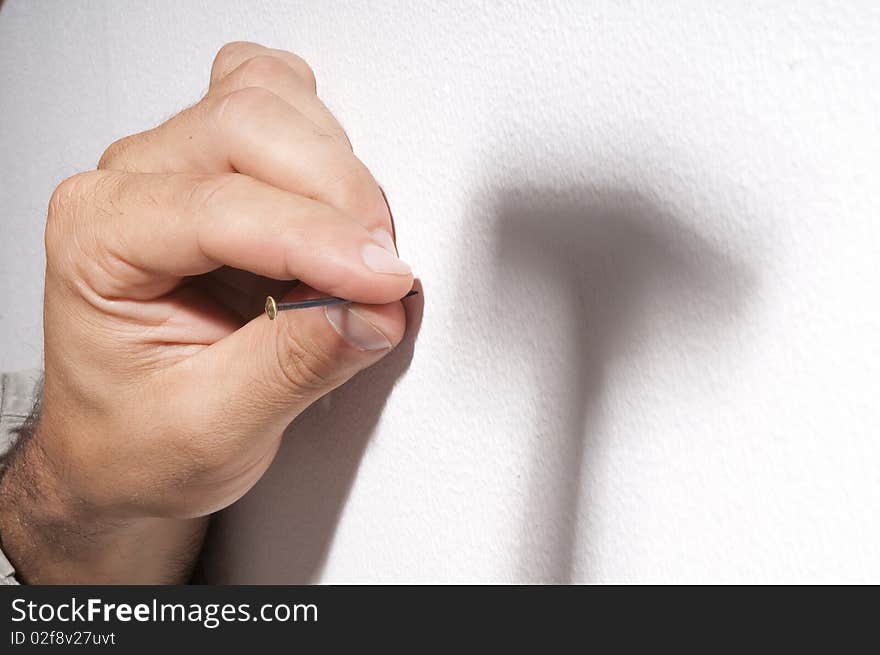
[52, 536]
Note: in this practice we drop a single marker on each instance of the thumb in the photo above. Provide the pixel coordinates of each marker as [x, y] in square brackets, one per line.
[269, 371]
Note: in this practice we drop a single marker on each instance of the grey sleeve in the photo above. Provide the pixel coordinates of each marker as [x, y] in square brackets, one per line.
[18, 391]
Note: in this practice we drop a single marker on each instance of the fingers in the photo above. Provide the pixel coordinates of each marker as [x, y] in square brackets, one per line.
[233, 54]
[270, 371]
[260, 119]
[241, 64]
[135, 236]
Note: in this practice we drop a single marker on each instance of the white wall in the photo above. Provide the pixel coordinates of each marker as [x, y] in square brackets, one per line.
[648, 238]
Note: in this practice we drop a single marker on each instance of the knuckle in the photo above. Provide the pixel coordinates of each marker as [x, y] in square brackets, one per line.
[353, 189]
[122, 154]
[64, 205]
[67, 193]
[306, 366]
[303, 70]
[235, 54]
[262, 70]
[228, 56]
[72, 238]
[115, 152]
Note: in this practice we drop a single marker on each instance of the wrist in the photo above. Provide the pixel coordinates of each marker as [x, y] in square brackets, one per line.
[53, 534]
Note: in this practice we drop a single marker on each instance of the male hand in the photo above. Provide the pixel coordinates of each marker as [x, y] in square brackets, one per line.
[166, 389]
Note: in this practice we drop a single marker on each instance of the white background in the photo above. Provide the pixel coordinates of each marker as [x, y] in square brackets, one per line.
[648, 238]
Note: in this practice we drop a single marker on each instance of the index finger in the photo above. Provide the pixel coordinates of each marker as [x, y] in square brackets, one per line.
[139, 234]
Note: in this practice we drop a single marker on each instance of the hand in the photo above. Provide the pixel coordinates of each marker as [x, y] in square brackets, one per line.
[166, 389]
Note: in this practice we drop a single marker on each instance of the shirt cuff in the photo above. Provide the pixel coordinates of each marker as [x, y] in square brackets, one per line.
[7, 572]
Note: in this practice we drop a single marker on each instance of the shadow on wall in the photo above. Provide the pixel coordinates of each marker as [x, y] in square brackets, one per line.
[285, 526]
[623, 272]
[626, 271]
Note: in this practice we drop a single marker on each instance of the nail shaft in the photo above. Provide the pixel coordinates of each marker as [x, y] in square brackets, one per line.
[272, 307]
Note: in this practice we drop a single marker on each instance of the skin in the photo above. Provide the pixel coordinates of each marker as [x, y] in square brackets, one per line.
[166, 391]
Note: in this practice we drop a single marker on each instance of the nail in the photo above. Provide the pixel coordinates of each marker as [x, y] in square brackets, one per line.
[355, 329]
[379, 259]
[273, 307]
[383, 237]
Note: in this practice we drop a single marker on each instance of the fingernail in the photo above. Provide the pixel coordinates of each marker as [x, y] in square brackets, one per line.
[383, 237]
[381, 260]
[355, 329]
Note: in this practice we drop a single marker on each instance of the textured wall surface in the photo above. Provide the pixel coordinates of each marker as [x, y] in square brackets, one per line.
[648, 238]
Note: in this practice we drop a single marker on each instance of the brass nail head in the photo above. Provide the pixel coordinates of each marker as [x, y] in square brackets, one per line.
[271, 308]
